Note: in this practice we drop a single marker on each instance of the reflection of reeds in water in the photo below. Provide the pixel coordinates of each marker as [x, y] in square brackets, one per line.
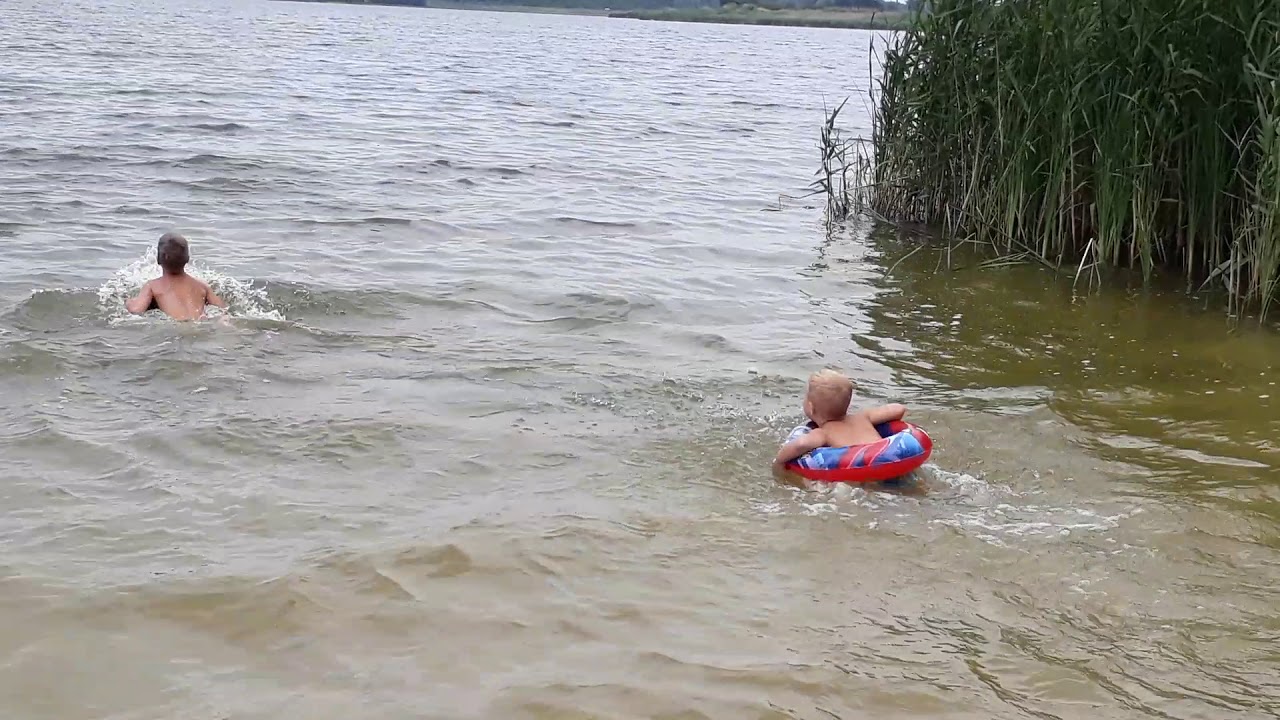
[1085, 133]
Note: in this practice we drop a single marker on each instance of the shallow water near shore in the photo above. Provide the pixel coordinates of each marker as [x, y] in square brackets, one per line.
[521, 307]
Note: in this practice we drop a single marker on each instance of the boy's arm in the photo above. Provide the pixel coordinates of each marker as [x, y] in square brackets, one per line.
[811, 440]
[212, 298]
[140, 304]
[886, 413]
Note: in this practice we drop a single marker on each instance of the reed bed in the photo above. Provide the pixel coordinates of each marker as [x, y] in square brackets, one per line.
[1083, 133]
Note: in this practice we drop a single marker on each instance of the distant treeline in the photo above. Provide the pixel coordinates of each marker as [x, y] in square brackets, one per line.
[588, 4]
[602, 5]
[805, 4]
[662, 4]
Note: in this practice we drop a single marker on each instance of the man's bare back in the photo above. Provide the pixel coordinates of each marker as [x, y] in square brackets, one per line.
[175, 293]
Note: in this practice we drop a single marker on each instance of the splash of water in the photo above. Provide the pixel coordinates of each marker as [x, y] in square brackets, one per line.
[993, 513]
[1001, 523]
[243, 299]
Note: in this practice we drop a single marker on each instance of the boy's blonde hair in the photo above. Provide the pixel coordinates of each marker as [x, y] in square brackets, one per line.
[830, 392]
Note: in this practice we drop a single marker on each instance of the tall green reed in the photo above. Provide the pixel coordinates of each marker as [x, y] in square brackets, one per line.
[1131, 133]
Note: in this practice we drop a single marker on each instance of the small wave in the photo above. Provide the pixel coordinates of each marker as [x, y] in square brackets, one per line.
[998, 524]
[203, 159]
[29, 360]
[570, 220]
[995, 515]
[50, 309]
[302, 300]
[500, 170]
[975, 489]
[748, 103]
[79, 154]
[220, 127]
[243, 299]
[964, 503]
[224, 184]
[354, 222]
[135, 147]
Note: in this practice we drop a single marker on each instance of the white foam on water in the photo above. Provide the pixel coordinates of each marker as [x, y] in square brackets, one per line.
[1002, 523]
[824, 498]
[992, 513]
[972, 488]
[243, 299]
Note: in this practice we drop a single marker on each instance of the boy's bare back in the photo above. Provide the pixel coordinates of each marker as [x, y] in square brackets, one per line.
[854, 429]
[180, 297]
[175, 293]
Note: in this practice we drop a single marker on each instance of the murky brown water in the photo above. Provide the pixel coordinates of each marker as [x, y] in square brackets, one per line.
[520, 322]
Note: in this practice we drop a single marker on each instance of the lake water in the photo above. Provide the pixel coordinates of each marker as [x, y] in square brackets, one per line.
[523, 305]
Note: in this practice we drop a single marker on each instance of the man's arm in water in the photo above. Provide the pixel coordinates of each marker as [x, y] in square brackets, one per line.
[212, 298]
[886, 413]
[811, 440]
[142, 302]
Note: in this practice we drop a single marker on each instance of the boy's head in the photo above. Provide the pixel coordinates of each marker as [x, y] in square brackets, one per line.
[172, 253]
[828, 397]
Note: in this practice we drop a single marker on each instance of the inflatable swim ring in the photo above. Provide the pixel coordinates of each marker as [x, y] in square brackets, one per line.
[903, 447]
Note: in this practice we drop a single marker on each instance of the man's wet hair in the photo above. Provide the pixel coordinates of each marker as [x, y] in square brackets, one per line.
[173, 253]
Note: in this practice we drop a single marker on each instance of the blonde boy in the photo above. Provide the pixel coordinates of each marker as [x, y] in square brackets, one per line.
[827, 405]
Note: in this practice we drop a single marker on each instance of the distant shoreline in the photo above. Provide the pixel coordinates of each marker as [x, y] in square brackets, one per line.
[840, 19]
[476, 6]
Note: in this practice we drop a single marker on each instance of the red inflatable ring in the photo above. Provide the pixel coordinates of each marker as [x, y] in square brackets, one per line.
[902, 447]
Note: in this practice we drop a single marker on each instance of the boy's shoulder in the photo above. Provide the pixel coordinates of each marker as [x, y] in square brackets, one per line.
[189, 280]
[854, 418]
